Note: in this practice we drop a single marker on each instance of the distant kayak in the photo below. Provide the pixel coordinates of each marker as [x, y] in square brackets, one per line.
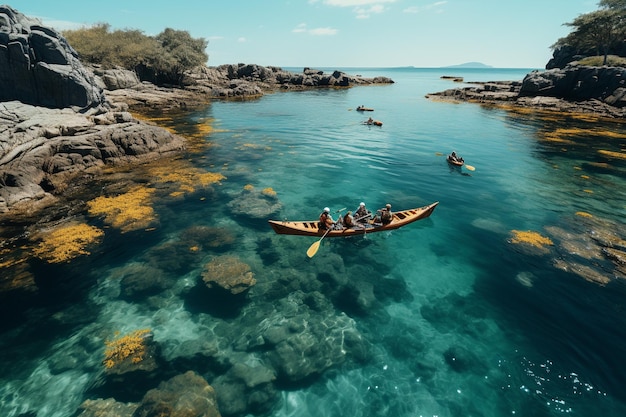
[455, 161]
[361, 108]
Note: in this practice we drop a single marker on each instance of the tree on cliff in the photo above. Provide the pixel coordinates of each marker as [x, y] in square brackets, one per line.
[162, 59]
[601, 32]
[613, 4]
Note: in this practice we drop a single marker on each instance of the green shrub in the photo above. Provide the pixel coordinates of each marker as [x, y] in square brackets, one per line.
[162, 59]
[598, 61]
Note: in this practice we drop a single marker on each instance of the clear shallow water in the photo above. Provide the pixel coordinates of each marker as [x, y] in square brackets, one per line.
[466, 322]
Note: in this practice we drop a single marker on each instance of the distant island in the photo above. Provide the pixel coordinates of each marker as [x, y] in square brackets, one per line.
[469, 65]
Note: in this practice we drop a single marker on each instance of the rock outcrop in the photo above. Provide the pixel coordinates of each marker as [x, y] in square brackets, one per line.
[39, 67]
[579, 89]
[55, 121]
[203, 84]
[42, 149]
[607, 84]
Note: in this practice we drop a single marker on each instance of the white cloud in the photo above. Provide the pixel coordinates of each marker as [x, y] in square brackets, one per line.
[355, 3]
[363, 8]
[323, 31]
[300, 28]
[418, 9]
[364, 13]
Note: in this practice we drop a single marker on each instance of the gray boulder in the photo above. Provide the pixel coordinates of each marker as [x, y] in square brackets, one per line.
[577, 83]
[115, 79]
[39, 67]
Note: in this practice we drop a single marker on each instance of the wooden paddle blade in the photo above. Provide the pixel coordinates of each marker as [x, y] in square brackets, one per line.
[313, 249]
[471, 168]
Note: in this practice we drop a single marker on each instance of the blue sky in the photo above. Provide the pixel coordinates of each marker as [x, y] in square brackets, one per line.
[340, 33]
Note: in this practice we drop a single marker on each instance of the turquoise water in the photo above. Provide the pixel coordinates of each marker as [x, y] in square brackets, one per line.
[458, 319]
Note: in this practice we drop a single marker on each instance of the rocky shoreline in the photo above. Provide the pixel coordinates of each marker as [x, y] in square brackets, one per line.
[597, 91]
[61, 120]
[43, 149]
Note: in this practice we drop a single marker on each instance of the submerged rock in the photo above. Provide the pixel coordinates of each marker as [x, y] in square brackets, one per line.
[228, 273]
[255, 204]
[106, 408]
[184, 395]
[246, 389]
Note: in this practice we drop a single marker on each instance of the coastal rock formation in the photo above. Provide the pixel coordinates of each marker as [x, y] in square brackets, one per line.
[579, 89]
[42, 149]
[39, 67]
[55, 121]
[607, 84]
[223, 82]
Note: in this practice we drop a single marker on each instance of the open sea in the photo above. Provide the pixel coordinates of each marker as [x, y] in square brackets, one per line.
[510, 300]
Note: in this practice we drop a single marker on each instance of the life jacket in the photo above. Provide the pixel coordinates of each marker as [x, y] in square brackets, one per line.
[386, 216]
[323, 219]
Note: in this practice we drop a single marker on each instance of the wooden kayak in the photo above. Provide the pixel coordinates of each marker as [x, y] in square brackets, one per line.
[311, 227]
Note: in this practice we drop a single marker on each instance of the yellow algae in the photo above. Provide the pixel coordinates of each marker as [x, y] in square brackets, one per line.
[558, 136]
[583, 214]
[8, 258]
[186, 177]
[208, 178]
[204, 127]
[130, 346]
[269, 191]
[187, 188]
[530, 237]
[129, 211]
[610, 134]
[195, 134]
[571, 131]
[248, 187]
[564, 135]
[66, 242]
[620, 155]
